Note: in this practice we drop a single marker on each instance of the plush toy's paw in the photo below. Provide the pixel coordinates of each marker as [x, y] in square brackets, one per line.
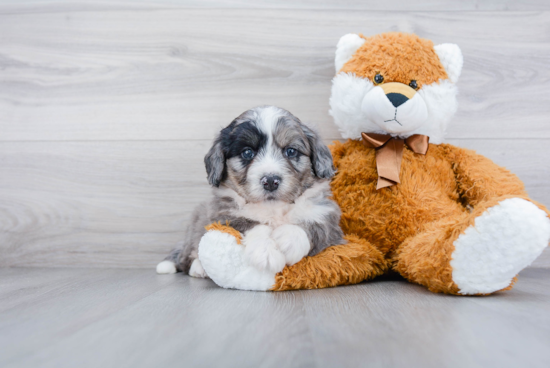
[261, 251]
[222, 257]
[292, 240]
[504, 240]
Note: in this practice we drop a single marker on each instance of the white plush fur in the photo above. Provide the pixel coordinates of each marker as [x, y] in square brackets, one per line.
[394, 120]
[505, 239]
[346, 47]
[451, 58]
[226, 264]
[348, 92]
[261, 250]
[196, 270]
[442, 104]
[292, 241]
[351, 107]
[166, 267]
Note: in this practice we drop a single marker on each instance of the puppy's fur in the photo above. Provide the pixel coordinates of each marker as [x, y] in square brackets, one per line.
[281, 222]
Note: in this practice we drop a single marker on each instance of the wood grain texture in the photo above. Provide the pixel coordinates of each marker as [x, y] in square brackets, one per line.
[392, 5]
[106, 109]
[134, 318]
[95, 75]
[97, 203]
[125, 204]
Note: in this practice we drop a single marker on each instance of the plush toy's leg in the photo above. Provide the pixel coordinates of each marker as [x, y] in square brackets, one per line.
[351, 263]
[476, 253]
[222, 257]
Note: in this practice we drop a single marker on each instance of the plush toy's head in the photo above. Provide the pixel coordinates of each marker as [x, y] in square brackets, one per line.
[396, 84]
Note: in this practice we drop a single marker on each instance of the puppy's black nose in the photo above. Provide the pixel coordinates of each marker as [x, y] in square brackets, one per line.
[271, 182]
[397, 99]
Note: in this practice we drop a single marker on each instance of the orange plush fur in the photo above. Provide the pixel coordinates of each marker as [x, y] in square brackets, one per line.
[399, 58]
[217, 226]
[413, 229]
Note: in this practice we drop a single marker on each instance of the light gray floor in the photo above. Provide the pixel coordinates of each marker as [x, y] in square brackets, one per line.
[135, 318]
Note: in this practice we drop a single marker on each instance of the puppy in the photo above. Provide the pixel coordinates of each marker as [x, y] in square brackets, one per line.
[270, 176]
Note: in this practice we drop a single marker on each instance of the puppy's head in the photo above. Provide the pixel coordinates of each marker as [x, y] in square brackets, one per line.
[268, 154]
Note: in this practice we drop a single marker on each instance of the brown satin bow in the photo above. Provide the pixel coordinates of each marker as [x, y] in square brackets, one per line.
[389, 153]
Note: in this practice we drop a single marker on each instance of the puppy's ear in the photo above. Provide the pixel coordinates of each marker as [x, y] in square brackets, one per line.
[215, 163]
[321, 158]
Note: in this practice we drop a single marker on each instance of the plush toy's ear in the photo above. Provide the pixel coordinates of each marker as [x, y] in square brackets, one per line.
[451, 58]
[345, 49]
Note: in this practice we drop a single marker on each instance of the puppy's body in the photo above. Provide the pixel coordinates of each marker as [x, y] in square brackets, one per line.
[270, 175]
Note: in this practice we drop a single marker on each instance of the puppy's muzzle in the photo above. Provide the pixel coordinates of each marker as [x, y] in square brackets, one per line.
[398, 93]
[271, 182]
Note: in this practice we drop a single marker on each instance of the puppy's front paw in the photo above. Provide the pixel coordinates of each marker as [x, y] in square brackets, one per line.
[196, 270]
[292, 240]
[261, 251]
[265, 256]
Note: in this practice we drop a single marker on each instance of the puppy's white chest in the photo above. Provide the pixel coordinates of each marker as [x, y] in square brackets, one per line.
[310, 207]
[273, 214]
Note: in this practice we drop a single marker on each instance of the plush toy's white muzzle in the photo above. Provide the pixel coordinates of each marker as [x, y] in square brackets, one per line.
[395, 108]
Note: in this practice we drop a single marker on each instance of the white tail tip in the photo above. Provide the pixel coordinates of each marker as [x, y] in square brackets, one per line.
[166, 267]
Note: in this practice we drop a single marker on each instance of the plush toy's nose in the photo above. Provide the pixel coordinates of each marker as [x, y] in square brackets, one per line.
[398, 93]
[397, 99]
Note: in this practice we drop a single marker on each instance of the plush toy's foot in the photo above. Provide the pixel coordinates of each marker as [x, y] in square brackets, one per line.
[222, 258]
[477, 253]
[504, 240]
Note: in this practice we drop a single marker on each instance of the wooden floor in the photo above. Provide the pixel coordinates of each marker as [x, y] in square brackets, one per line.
[135, 318]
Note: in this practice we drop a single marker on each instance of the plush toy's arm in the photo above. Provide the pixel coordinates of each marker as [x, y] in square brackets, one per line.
[222, 256]
[480, 180]
[354, 262]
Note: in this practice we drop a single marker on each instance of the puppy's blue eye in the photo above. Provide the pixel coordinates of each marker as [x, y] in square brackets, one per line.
[291, 152]
[247, 154]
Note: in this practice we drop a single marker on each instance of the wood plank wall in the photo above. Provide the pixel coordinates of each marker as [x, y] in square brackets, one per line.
[106, 109]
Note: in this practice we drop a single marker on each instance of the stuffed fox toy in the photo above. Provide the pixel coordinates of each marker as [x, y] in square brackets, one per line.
[439, 215]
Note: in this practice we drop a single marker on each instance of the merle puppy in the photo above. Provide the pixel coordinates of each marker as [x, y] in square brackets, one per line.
[270, 176]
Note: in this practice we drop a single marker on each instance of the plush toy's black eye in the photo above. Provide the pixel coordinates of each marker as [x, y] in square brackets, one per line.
[247, 154]
[413, 84]
[291, 152]
[378, 78]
